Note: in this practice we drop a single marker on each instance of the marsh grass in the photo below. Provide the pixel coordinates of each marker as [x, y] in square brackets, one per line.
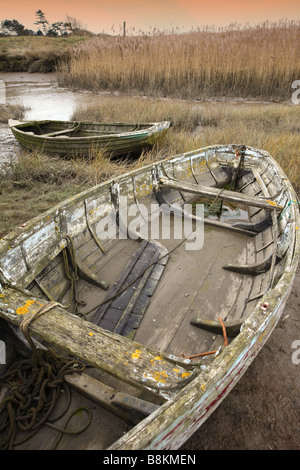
[273, 127]
[33, 183]
[260, 62]
[34, 53]
[182, 115]
[9, 110]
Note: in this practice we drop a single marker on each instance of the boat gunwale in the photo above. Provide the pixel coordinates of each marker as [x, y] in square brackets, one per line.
[255, 327]
[254, 330]
[150, 128]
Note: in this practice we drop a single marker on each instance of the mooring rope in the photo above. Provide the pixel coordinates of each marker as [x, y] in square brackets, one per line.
[33, 386]
[72, 276]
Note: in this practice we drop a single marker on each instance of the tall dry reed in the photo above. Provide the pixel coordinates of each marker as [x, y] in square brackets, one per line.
[260, 62]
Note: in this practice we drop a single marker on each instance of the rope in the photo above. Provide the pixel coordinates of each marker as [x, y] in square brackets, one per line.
[69, 252]
[224, 331]
[34, 385]
[286, 208]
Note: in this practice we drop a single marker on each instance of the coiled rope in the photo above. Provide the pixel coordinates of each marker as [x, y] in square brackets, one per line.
[34, 385]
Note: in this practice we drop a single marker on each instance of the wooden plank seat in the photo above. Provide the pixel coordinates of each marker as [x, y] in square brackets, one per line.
[62, 132]
[248, 229]
[223, 194]
[122, 313]
[121, 357]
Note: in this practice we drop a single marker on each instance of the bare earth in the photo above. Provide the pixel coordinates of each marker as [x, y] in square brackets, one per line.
[263, 411]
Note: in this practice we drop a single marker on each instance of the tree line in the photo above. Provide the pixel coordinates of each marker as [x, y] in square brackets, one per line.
[59, 28]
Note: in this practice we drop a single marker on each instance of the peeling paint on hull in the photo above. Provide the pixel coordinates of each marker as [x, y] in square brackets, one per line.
[118, 142]
[180, 431]
[190, 391]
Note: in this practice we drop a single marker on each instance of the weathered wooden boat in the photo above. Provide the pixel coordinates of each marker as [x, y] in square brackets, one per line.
[164, 331]
[86, 138]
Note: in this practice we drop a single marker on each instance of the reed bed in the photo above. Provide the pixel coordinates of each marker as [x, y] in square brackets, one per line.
[9, 110]
[260, 62]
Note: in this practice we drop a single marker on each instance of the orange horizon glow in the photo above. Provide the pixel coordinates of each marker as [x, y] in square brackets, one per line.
[140, 15]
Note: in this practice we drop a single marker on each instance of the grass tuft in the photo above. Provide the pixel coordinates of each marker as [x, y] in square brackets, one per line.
[9, 110]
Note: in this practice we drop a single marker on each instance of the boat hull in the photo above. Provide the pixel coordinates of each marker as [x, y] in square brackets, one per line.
[205, 394]
[190, 390]
[121, 142]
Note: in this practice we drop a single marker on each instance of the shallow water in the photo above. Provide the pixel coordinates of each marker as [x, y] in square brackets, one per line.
[43, 98]
[224, 211]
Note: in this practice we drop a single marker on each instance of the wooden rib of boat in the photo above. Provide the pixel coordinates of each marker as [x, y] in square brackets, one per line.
[85, 138]
[165, 331]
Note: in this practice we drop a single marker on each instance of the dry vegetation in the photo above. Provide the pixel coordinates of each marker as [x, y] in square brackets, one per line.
[32, 183]
[34, 53]
[260, 62]
[9, 110]
[273, 127]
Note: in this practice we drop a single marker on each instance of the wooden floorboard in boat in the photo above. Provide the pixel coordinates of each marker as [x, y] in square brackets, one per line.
[104, 429]
[112, 264]
[212, 293]
[166, 325]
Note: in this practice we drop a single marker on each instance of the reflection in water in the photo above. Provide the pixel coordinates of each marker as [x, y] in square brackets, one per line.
[43, 98]
[39, 93]
[223, 211]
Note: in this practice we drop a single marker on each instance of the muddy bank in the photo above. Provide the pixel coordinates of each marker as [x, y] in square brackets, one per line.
[262, 412]
[41, 97]
[35, 64]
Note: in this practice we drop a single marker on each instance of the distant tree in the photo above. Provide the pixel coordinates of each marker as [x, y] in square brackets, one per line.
[14, 28]
[76, 27]
[58, 29]
[41, 20]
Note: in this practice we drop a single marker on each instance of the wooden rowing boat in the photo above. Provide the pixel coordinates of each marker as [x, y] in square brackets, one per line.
[86, 138]
[165, 331]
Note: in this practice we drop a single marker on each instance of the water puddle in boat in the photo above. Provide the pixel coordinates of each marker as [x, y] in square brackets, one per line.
[223, 211]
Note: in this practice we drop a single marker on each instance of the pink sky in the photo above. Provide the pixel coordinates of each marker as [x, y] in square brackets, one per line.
[108, 15]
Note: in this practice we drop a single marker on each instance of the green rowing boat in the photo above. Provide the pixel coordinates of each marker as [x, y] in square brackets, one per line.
[86, 138]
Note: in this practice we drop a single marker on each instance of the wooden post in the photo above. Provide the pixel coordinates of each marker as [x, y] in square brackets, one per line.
[124, 29]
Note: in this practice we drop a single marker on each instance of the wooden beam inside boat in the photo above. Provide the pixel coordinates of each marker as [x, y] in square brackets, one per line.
[223, 194]
[129, 408]
[122, 358]
[62, 132]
